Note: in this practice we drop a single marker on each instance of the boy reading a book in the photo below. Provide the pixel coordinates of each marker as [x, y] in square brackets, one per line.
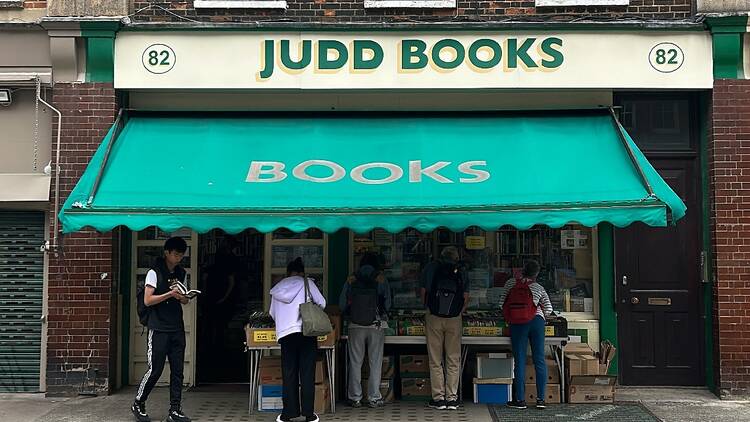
[166, 332]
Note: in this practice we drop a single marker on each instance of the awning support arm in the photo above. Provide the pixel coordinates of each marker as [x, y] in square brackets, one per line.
[618, 128]
[118, 128]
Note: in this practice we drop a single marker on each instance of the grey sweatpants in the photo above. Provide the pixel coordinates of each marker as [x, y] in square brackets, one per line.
[363, 339]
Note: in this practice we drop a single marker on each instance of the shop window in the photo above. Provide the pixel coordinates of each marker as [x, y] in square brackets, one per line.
[555, 3]
[239, 4]
[567, 261]
[658, 122]
[283, 246]
[410, 4]
[490, 259]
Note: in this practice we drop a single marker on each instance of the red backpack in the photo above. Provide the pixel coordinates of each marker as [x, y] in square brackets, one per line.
[519, 305]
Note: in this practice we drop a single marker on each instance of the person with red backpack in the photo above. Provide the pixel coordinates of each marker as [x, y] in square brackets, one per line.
[526, 305]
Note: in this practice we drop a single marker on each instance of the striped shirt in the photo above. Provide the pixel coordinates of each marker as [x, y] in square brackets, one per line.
[538, 294]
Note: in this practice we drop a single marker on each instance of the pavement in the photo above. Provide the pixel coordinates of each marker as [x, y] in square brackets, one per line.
[229, 403]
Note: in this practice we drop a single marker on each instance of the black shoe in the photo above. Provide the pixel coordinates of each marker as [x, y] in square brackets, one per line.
[451, 405]
[436, 404]
[374, 404]
[176, 415]
[282, 418]
[540, 404]
[355, 403]
[139, 411]
[313, 418]
[517, 404]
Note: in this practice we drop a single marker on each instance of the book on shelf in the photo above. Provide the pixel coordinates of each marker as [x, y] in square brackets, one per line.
[188, 293]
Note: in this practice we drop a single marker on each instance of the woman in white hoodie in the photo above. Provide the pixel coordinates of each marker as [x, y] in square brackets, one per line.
[298, 352]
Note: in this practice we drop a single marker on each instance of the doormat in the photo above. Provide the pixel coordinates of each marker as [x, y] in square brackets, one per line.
[620, 412]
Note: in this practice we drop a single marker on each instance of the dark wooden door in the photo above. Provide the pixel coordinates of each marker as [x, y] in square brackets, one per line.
[657, 275]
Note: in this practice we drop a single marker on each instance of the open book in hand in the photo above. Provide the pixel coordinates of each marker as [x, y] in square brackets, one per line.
[185, 291]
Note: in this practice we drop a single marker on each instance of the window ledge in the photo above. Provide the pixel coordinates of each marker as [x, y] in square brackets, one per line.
[553, 3]
[410, 4]
[239, 4]
[11, 4]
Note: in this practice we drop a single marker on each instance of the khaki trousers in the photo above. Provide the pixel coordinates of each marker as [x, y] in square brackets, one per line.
[444, 341]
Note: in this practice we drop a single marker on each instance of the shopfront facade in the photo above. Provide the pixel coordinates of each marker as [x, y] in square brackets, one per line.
[576, 257]
[659, 80]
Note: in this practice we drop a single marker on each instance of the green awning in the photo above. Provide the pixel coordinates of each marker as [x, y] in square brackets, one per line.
[364, 171]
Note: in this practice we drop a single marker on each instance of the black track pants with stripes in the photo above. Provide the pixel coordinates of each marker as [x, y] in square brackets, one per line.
[162, 345]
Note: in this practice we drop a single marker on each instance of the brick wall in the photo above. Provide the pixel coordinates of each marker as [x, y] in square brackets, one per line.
[34, 4]
[80, 320]
[354, 11]
[729, 172]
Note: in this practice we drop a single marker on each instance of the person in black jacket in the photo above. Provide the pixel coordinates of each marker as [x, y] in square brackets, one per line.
[166, 331]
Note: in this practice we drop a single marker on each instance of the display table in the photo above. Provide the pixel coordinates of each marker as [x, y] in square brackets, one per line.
[256, 355]
[475, 341]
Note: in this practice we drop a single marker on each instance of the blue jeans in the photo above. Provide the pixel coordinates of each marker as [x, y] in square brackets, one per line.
[520, 336]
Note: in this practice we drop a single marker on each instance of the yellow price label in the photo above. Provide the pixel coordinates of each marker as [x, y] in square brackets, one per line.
[482, 331]
[475, 242]
[549, 330]
[417, 330]
[265, 336]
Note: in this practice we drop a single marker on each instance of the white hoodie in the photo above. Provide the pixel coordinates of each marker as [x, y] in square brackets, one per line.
[286, 296]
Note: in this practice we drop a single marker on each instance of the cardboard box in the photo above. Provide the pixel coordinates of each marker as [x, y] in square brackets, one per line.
[581, 364]
[387, 370]
[322, 402]
[578, 348]
[592, 389]
[553, 372]
[415, 389]
[260, 336]
[321, 375]
[386, 389]
[267, 337]
[552, 393]
[270, 370]
[414, 365]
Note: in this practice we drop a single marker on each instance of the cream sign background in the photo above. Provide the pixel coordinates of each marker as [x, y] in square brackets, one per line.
[224, 60]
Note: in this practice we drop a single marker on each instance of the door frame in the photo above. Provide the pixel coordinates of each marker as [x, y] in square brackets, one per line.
[698, 138]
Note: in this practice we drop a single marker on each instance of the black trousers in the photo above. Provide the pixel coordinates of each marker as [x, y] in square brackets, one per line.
[163, 345]
[298, 354]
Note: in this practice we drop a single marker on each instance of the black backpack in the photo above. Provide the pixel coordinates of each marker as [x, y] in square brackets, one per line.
[446, 297]
[363, 297]
[143, 310]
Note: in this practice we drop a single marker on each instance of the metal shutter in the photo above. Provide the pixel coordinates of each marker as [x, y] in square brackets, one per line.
[21, 289]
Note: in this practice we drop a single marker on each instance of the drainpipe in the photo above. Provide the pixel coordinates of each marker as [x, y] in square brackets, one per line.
[47, 246]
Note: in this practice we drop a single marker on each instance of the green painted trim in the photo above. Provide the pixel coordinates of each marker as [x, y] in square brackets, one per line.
[100, 50]
[418, 28]
[725, 24]
[125, 279]
[607, 313]
[708, 321]
[338, 263]
[728, 56]
[100, 59]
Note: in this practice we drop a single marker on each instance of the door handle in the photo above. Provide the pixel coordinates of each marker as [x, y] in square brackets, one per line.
[635, 300]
